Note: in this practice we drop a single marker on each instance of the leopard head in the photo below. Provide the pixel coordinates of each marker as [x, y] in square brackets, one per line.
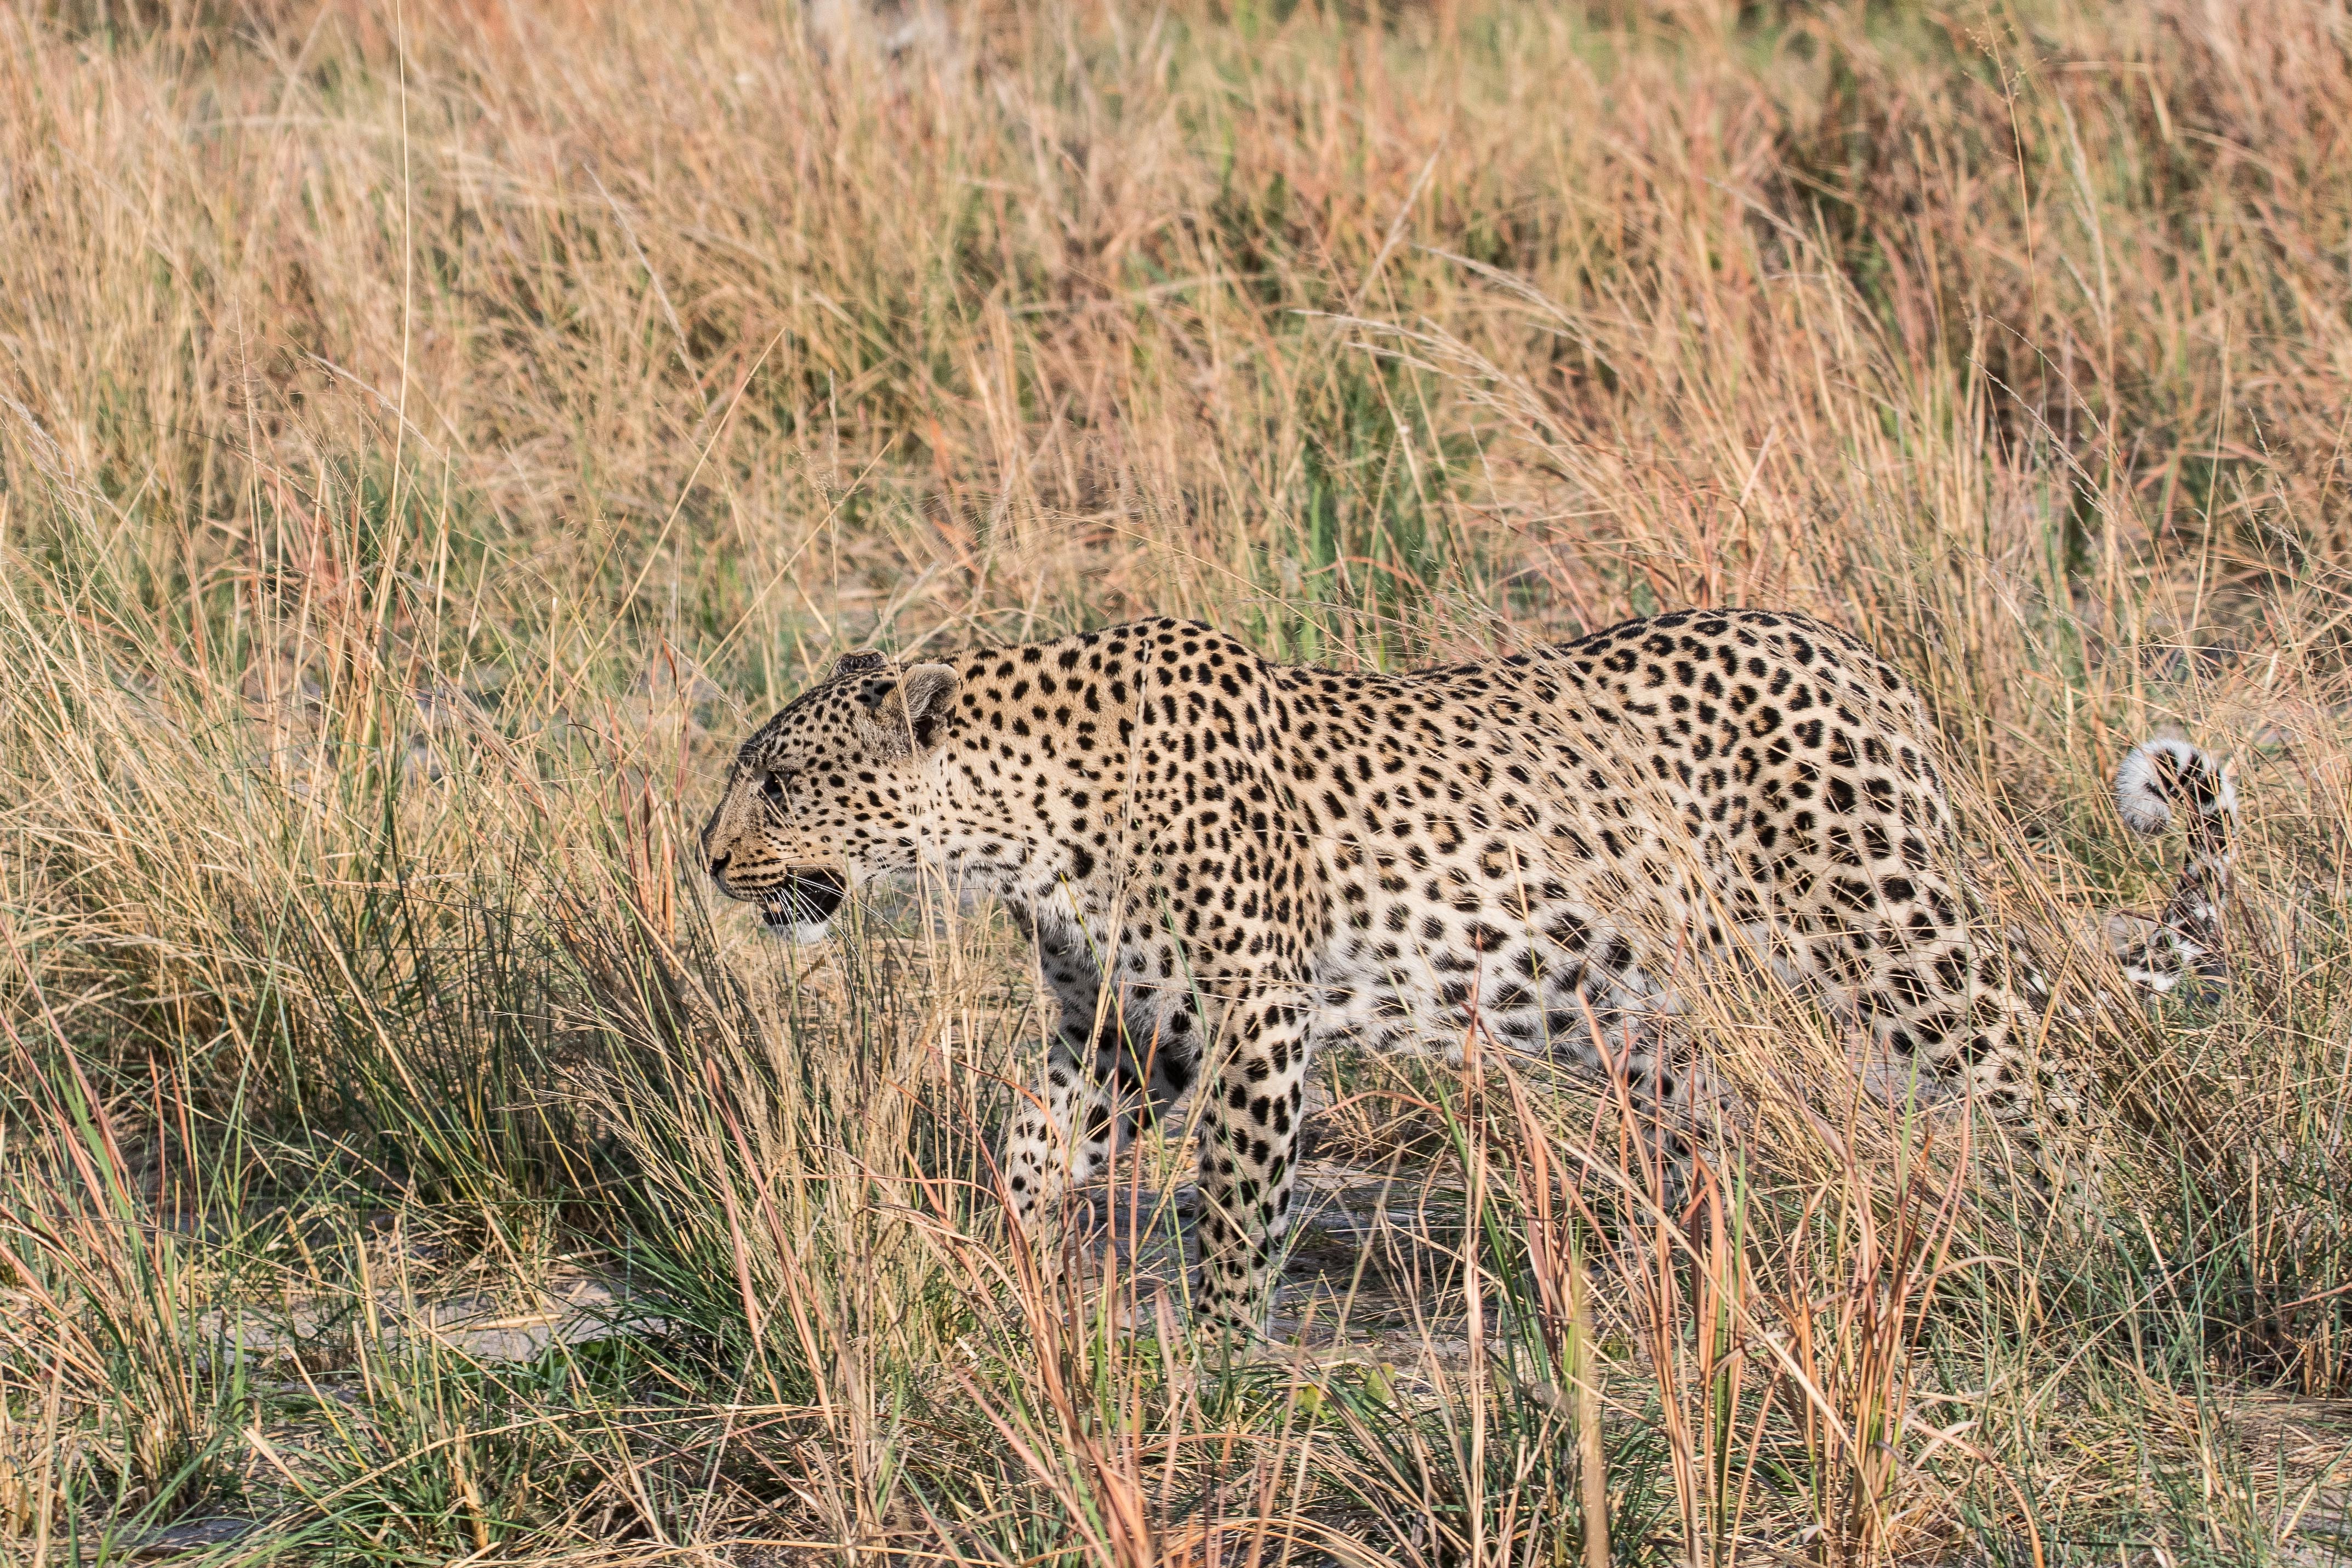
[831, 793]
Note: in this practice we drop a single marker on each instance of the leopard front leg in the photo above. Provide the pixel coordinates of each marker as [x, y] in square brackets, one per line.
[1250, 1113]
[1039, 1161]
[1081, 1115]
[1103, 1080]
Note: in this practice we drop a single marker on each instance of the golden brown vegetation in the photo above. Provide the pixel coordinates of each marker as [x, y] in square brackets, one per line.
[431, 429]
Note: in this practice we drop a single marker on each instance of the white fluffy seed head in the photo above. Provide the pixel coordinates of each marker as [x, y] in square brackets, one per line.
[2158, 770]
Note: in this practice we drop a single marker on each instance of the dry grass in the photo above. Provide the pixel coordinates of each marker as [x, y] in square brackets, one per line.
[430, 431]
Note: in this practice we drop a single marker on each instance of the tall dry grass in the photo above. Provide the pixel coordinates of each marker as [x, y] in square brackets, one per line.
[430, 433]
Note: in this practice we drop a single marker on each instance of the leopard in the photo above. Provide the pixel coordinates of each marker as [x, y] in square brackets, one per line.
[1225, 863]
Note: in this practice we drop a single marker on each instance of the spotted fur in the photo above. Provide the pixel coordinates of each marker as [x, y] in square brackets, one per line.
[2185, 940]
[1224, 862]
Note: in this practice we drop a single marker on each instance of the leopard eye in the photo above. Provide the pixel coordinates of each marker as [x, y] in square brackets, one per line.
[772, 789]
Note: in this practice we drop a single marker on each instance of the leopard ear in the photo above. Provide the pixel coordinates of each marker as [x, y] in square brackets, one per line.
[914, 707]
[857, 662]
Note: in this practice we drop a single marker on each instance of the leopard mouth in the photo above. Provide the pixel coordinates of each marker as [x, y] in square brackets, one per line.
[802, 905]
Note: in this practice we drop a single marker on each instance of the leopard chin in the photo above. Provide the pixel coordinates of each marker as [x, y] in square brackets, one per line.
[781, 923]
[801, 911]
